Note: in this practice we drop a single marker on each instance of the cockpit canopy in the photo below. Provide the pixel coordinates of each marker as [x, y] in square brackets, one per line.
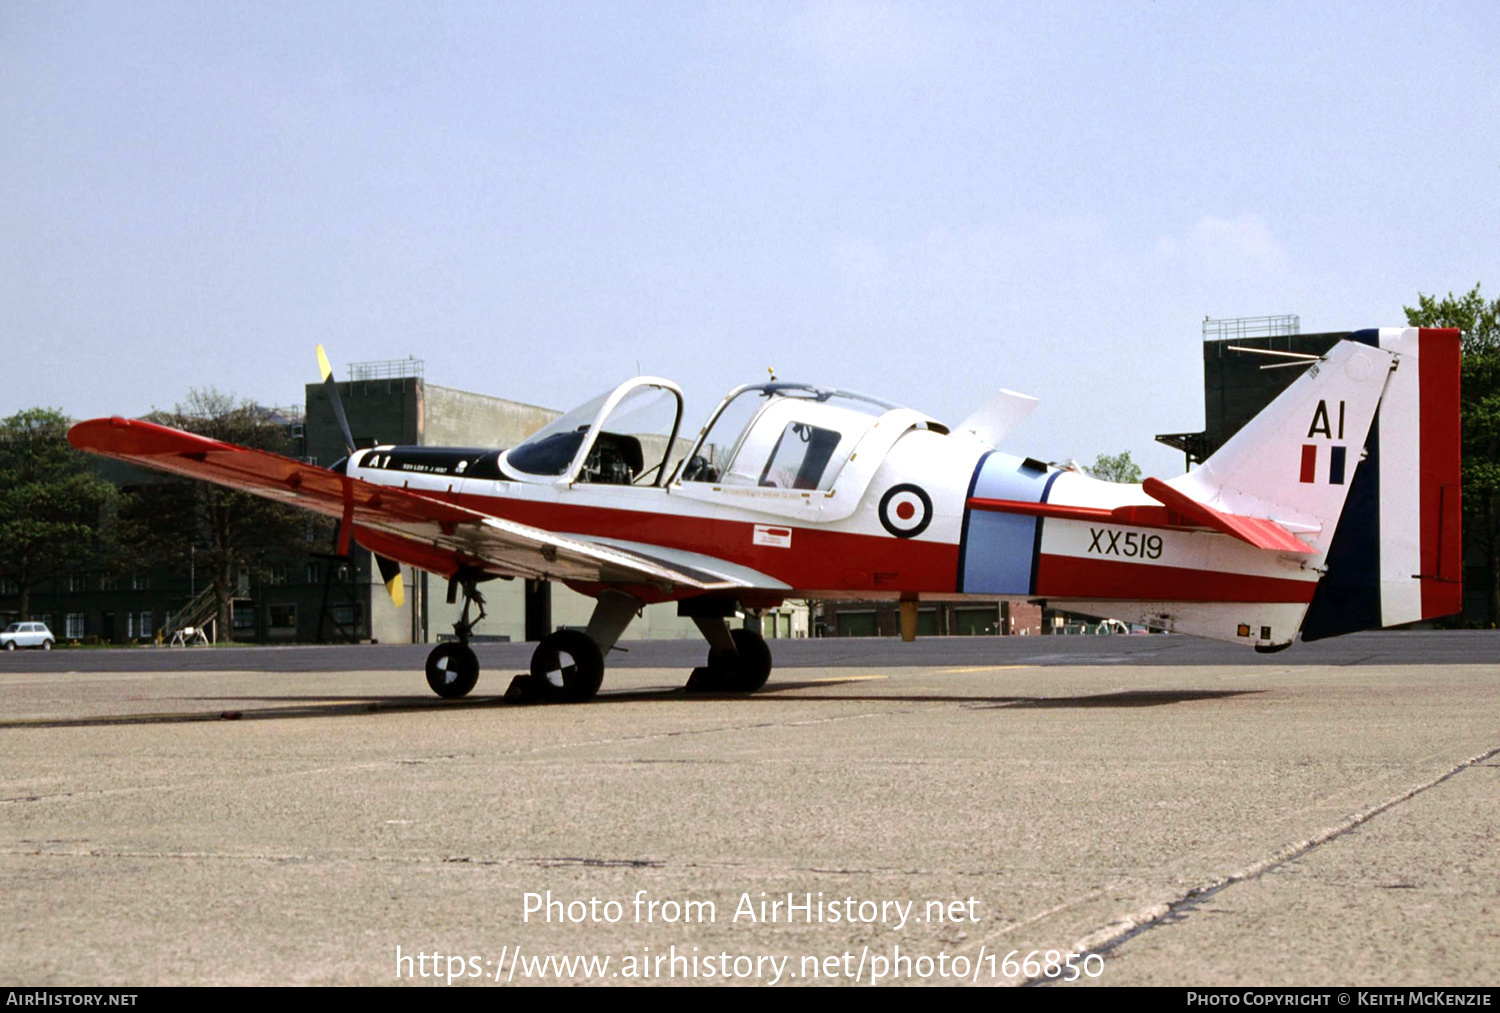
[625, 436]
[784, 436]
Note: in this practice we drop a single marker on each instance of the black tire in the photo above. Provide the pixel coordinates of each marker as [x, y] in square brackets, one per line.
[46, 645]
[574, 659]
[748, 669]
[10, 645]
[452, 670]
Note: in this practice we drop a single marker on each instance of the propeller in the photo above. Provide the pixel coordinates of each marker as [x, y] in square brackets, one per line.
[390, 570]
[390, 573]
[332, 387]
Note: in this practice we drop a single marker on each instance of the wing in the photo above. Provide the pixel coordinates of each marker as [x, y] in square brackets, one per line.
[418, 529]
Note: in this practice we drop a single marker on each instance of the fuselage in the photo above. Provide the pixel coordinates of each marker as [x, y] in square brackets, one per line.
[921, 524]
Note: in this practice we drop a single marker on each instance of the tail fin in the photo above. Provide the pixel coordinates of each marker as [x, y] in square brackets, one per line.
[1294, 463]
[1360, 458]
[1397, 555]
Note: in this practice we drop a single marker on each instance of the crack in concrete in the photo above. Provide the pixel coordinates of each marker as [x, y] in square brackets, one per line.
[548, 861]
[223, 856]
[1114, 935]
[445, 757]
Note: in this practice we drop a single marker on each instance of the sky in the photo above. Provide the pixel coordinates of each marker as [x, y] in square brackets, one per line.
[925, 202]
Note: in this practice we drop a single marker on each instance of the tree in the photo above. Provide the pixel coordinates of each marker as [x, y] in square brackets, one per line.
[1479, 406]
[1117, 468]
[224, 531]
[51, 504]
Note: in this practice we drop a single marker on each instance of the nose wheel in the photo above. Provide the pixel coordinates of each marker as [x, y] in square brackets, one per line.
[452, 670]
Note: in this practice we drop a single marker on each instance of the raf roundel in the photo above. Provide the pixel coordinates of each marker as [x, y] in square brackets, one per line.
[905, 510]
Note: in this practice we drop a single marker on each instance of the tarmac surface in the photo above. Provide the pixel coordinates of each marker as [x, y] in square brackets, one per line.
[1176, 812]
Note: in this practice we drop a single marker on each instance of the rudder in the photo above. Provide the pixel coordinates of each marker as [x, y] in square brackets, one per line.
[1396, 555]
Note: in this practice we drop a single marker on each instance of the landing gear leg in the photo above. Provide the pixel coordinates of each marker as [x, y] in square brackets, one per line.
[568, 666]
[453, 669]
[738, 660]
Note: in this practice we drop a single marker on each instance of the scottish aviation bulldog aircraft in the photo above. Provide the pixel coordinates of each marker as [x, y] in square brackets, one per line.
[1335, 509]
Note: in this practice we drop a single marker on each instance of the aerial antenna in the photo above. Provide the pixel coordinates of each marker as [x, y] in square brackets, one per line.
[1298, 358]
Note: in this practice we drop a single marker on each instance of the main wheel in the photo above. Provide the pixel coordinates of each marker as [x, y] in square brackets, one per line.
[46, 645]
[452, 670]
[567, 666]
[10, 645]
[748, 668]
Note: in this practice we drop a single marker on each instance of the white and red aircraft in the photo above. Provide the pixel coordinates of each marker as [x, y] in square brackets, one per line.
[1335, 509]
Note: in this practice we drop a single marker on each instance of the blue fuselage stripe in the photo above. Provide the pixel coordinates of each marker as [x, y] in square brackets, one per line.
[999, 550]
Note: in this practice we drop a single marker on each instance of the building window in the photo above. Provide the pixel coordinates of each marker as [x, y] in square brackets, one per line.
[108, 583]
[76, 582]
[8, 586]
[138, 624]
[244, 618]
[278, 575]
[75, 626]
[282, 616]
[315, 573]
[140, 581]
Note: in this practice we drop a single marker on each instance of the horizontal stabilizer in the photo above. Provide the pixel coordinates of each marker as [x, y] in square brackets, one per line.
[1256, 531]
[1178, 511]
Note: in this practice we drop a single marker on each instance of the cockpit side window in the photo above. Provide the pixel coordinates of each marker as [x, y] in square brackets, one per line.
[800, 457]
[614, 459]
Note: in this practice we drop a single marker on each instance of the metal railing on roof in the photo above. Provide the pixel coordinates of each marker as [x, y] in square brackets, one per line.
[388, 369]
[1236, 328]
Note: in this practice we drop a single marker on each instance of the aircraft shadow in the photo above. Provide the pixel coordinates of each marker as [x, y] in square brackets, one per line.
[1122, 698]
[329, 707]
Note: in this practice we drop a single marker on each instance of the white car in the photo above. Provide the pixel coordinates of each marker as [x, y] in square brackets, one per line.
[26, 635]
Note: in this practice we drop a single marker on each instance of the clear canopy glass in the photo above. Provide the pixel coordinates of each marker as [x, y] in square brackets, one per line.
[625, 436]
[799, 456]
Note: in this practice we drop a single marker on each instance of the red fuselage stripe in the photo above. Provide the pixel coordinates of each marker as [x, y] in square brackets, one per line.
[814, 559]
[1072, 577]
[1074, 513]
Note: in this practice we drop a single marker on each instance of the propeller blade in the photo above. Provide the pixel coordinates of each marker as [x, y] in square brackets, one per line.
[331, 385]
[390, 572]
